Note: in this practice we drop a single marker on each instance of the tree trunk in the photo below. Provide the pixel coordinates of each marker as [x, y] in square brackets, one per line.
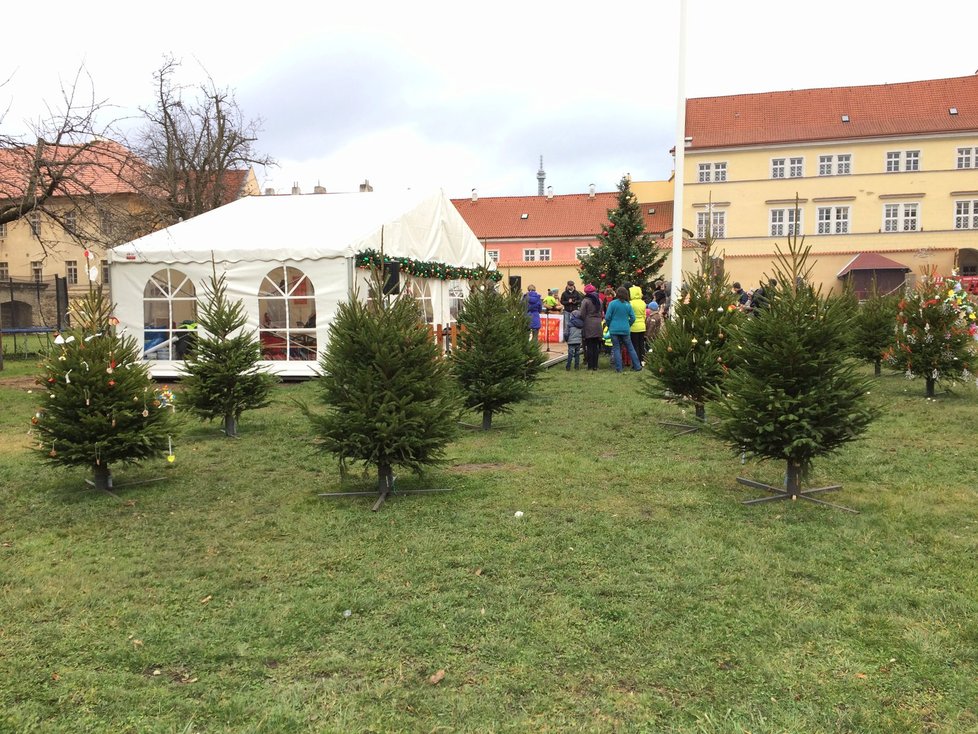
[230, 425]
[385, 478]
[486, 420]
[877, 365]
[930, 386]
[792, 482]
[700, 412]
[102, 476]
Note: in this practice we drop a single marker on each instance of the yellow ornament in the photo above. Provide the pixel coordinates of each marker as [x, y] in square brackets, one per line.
[171, 458]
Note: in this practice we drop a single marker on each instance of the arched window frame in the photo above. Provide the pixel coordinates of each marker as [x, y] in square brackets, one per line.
[169, 314]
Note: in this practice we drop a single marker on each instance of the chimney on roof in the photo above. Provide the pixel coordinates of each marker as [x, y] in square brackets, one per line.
[317, 189]
[295, 188]
[550, 192]
[365, 186]
[590, 191]
[475, 196]
[541, 177]
[269, 191]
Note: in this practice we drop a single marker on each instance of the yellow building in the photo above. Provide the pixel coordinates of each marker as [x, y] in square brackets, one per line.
[885, 177]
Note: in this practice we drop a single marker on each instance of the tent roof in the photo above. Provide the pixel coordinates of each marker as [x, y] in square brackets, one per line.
[871, 261]
[314, 227]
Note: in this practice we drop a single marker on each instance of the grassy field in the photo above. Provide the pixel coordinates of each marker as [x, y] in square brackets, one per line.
[636, 593]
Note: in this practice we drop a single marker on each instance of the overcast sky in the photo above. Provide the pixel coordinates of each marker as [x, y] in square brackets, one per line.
[462, 95]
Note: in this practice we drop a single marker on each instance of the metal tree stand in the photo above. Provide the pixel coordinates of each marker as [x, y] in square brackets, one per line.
[792, 490]
[385, 490]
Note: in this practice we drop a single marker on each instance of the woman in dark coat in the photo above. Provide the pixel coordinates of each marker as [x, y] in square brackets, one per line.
[591, 315]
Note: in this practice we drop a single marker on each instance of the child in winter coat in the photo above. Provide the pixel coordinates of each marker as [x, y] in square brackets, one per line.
[653, 321]
[574, 338]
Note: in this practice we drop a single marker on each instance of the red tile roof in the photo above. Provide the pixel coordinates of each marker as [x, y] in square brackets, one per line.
[871, 261]
[665, 244]
[570, 215]
[908, 108]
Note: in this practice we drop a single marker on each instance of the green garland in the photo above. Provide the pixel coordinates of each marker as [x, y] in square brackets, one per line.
[421, 269]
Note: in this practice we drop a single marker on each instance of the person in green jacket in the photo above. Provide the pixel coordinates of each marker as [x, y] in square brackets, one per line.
[620, 316]
[638, 327]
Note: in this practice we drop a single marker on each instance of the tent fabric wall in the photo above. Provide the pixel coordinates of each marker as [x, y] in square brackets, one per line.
[318, 234]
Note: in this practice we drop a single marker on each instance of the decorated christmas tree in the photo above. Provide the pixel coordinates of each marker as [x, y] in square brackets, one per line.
[935, 330]
[627, 253]
[494, 362]
[697, 347]
[99, 406]
[873, 327]
[223, 378]
[389, 394]
[797, 393]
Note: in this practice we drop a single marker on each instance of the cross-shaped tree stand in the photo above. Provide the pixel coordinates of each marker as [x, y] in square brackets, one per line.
[385, 490]
[792, 490]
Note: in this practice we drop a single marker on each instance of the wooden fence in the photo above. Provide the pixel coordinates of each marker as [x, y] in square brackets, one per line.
[446, 336]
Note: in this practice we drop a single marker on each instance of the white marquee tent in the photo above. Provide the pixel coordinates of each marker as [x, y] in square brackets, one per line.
[290, 259]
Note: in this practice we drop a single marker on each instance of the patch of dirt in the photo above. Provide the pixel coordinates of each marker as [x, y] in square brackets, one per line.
[21, 382]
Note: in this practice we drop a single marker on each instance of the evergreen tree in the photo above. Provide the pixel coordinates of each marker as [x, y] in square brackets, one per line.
[389, 394]
[627, 253]
[935, 324]
[797, 393]
[223, 378]
[494, 362]
[696, 348]
[100, 407]
[873, 327]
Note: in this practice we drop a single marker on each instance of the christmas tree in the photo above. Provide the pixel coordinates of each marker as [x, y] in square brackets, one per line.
[873, 327]
[696, 348]
[797, 393]
[100, 407]
[223, 378]
[494, 363]
[935, 329]
[627, 253]
[389, 394]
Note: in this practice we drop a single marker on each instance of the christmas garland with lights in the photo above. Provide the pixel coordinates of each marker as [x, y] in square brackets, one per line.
[421, 269]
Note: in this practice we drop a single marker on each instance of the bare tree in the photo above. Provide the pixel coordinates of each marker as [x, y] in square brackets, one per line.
[191, 142]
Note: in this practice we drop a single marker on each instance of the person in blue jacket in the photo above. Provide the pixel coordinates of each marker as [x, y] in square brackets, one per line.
[619, 316]
[534, 304]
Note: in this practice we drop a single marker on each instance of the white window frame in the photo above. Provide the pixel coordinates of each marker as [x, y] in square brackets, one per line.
[835, 165]
[37, 271]
[719, 228]
[543, 254]
[911, 160]
[3, 229]
[782, 222]
[901, 217]
[529, 255]
[105, 272]
[712, 172]
[778, 167]
[4, 270]
[902, 160]
[966, 214]
[582, 252]
[832, 220]
[796, 167]
[71, 272]
[34, 220]
[965, 158]
[492, 256]
[71, 222]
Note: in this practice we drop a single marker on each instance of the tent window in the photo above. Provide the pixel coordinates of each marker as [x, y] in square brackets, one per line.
[287, 304]
[169, 315]
[456, 294]
[420, 289]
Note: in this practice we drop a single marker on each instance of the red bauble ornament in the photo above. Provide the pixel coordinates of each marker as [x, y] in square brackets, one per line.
[611, 226]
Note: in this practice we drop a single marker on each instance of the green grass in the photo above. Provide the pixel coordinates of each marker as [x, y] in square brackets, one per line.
[636, 593]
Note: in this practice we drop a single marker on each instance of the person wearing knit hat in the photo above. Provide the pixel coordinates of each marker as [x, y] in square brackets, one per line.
[592, 314]
[589, 289]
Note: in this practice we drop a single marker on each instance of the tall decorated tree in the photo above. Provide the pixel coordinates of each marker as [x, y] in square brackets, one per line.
[697, 347]
[99, 406]
[797, 392]
[223, 377]
[627, 253]
[874, 327]
[935, 329]
[494, 363]
[389, 394]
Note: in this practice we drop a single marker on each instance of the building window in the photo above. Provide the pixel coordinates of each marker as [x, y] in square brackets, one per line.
[718, 228]
[287, 304]
[34, 219]
[582, 252]
[965, 159]
[71, 272]
[900, 218]
[835, 165]
[782, 217]
[795, 167]
[966, 214]
[529, 256]
[71, 222]
[105, 273]
[777, 168]
[833, 220]
[3, 229]
[543, 254]
[492, 256]
[902, 160]
[169, 315]
[4, 271]
[712, 172]
[37, 272]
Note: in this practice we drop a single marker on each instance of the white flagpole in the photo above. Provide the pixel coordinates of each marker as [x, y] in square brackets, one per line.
[679, 176]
